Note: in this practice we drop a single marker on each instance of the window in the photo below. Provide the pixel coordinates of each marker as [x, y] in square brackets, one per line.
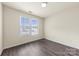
[28, 26]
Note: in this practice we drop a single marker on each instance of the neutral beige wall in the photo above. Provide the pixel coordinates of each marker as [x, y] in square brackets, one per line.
[1, 29]
[63, 27]
[12, 36]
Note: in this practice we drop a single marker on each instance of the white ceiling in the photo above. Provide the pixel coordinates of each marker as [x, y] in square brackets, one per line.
[35, 7]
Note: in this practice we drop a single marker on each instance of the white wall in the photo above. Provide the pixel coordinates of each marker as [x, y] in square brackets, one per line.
[12, 36]
[63, 27]
[1, 29]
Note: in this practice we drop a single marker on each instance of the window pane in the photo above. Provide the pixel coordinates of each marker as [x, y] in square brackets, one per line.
[24, 24]
[24, 21]
[34, 22]
[34, 31]
[34, 26]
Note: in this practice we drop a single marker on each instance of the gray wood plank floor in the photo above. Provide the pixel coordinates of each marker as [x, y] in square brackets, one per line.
[41, 47]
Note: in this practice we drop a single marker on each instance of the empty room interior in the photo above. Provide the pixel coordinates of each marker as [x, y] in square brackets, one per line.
[39, 28]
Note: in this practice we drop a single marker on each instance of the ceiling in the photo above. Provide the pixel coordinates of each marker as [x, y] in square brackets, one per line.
[35, 7]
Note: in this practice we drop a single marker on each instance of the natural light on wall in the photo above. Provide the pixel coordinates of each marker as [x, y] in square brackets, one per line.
[28, 26]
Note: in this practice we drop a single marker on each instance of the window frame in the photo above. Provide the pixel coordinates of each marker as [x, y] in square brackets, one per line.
[29, 25]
